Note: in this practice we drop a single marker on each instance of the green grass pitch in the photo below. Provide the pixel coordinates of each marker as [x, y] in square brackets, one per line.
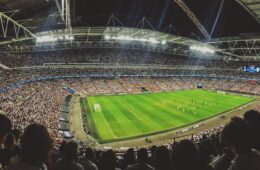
[130, 116]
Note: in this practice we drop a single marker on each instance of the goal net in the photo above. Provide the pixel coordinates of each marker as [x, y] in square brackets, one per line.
[97, 108]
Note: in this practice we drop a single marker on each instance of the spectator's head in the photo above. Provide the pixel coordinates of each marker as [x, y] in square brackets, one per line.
[162, 158]
[17, 134]
[71, 150]
[130, 155]
[10, 141]
[185, 156]
[108, 160]
[5, 127]
[253, 118]
[90, 154]
[236, 135]
[36, 144]
[142, 156]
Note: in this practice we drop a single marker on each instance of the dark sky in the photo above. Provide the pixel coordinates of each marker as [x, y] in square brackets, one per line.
[233, 18]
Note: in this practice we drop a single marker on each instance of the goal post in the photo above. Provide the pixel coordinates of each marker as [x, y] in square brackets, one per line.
[97, 107]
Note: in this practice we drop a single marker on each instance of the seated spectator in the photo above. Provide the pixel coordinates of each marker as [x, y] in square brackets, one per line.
[108, 161]
[185, 156]
[142, 158]
[36, 145]
[88, 161]
[162, 158]
[5, 128]
[128, 158]
[69, 161]
[237, 135]
[253, 118]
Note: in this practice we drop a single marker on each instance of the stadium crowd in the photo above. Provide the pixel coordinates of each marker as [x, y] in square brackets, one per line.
[40, 102]
[235, 147]
[113, 56]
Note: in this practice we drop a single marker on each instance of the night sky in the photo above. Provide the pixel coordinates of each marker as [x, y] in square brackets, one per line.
[233, 18]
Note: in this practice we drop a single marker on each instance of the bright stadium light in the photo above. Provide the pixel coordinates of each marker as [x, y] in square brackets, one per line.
[49, 38]
[163, 42]
[202, 49]
[46, 38]
[107, 37]
[129, 38]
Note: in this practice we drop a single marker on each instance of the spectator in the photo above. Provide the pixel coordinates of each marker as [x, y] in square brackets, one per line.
[152, 157]
[8, 151]
[17, 135]
[223, 161]
[69, 161]
[88, 162]
[237, 136]
[60, 153]
[36, 145]
[5, 128]
[129, 158]
[142, 158]
[185, 156]
[253, 118]
[162, 158]
[108, 161]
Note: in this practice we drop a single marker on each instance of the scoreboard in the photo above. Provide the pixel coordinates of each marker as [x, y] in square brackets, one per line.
[251, 69]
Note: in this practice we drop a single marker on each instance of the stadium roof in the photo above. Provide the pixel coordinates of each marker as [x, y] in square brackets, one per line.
[219, 17]
[253, 7]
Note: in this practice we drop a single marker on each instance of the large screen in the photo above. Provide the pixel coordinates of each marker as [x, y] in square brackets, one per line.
[251, 69]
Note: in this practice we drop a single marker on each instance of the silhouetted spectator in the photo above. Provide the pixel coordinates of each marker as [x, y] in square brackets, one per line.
[237, 136]
[142, 158]
[58, 154]
[151, 158]
[36, 145]
[185, 156]
[88, 162]
[223, 161]
[203, 148]
[17, 135]
[253, 118]
[69, 161]
[8, 151]
[5, 128]
[129, 158]
[162, 158]
[108, 160]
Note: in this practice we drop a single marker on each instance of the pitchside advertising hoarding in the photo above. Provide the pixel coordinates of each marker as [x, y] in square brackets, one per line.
[251, 69]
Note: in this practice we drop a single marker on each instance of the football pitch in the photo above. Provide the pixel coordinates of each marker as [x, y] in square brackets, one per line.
[122, 117]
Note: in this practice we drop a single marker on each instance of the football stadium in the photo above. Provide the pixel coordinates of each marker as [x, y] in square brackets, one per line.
[133, 84]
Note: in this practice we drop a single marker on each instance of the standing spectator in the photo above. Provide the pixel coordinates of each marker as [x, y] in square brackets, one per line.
[142, 158]
[69, 161]
[185, 156]
[36, 145]
[88, 162]
[237, 135]
[162, 158]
